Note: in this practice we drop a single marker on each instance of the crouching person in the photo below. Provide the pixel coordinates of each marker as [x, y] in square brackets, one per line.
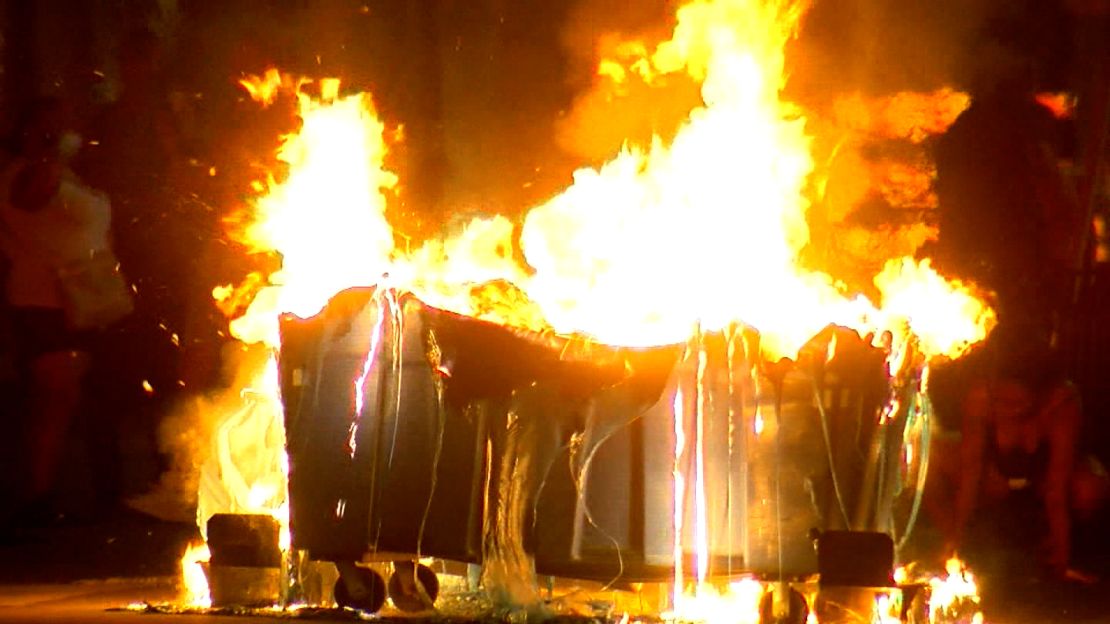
[1018, 478]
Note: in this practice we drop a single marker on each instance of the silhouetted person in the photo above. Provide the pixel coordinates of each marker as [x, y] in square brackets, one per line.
[1009, 224]
[49, 220]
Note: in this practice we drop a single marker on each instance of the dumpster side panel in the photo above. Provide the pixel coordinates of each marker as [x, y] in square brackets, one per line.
[411, 483]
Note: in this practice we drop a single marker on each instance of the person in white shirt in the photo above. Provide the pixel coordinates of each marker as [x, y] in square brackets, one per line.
[48, 220]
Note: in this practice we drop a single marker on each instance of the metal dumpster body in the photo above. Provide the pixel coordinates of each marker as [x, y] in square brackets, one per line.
[450, 406]
[766, 486]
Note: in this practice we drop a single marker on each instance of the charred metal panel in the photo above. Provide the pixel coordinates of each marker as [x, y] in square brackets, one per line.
[320, 357]
[767, 485]
[412, 481]
[756, 493]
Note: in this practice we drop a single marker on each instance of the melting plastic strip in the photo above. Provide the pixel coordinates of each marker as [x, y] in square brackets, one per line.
[829, 454]
[926, 414]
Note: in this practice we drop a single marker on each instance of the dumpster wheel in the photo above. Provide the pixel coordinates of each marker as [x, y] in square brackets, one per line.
[797, 609]
[360, 588]
[413, 588]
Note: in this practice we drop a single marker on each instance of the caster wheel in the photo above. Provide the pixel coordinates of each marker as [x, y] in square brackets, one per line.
[411, 596]
[364, 592]
[797, 611]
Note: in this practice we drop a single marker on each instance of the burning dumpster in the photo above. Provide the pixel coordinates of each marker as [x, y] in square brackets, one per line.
[430, 414]
[414, 432]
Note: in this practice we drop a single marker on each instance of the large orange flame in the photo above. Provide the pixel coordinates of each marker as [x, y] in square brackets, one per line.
[327, 219]
[708, 230]
[704, 231]
[905, 115]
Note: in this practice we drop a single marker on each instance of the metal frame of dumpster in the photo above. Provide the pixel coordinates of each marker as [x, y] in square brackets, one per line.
[414, 472]
[757, 433]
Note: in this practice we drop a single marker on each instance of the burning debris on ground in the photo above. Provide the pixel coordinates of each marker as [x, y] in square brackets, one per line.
[691, 382]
